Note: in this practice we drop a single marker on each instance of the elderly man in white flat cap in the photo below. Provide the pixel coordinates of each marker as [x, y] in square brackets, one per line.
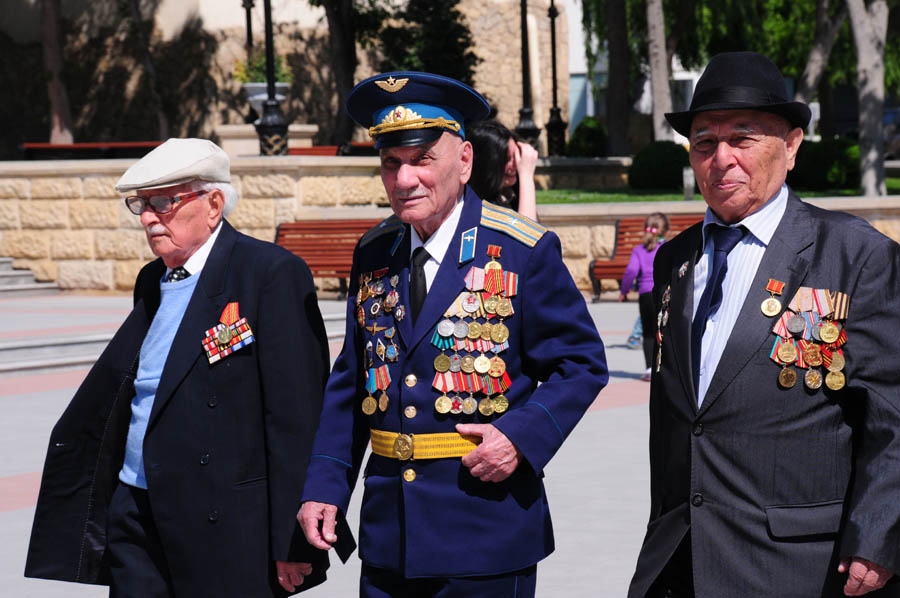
[177, 468]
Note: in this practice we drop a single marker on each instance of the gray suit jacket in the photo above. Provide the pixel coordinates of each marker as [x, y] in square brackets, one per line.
[775, 485]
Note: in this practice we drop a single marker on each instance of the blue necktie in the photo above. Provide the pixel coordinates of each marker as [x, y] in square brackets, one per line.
[724, 239]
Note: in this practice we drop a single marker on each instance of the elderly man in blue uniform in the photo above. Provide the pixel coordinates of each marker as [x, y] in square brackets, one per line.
[176, 468]
[469, 357]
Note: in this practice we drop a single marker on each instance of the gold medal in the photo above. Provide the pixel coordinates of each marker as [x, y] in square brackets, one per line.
[499, 333]
[482, 364]
[486, 329]
[829, 332]
[383, 401]
[501, 404]
[504, 308]
[223, 336]
[835, 380]
[474, 330]
[493, 265]
[490, 304]
[787, 353]
[812, 355]
[813, 379]
[498, 367]
[837, 362]
[442, 404]
[770, 307]
[369, 405]
[787, 378]
[467, 364]
[442, 363]
[486, 407]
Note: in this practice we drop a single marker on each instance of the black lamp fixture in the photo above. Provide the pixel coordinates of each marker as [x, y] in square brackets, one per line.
[556, 126]
[248, 6]
[526, 129]
[272, 128]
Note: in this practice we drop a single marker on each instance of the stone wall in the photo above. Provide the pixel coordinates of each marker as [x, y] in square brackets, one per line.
[65, 221]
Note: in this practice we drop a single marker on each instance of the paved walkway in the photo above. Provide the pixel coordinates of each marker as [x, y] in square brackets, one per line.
[597, 485]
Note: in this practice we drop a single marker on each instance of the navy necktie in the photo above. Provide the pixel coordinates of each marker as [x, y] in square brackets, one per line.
[177, 274]
[417, 287]
[724, 240]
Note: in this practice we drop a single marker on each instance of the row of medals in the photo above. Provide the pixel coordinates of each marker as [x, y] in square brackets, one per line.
[812, 354]
[369, 288]
[498, 333]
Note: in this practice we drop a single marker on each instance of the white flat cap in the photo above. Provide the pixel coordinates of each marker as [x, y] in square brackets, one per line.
[175, 162]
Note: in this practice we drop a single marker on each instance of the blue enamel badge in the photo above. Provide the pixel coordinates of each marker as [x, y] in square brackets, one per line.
[467, 245]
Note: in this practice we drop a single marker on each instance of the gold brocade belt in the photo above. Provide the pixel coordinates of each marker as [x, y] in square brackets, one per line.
[422, 446]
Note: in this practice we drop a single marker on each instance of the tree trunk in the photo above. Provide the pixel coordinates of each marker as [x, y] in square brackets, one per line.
[60, 113]
[618, 104]
[683, 20]
[659, 70]
[342, 50]
[827, 30]
[869, 32]
[162, 121]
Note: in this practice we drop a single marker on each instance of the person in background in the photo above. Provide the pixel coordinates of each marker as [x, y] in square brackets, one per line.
[503, 172]
[640, 267]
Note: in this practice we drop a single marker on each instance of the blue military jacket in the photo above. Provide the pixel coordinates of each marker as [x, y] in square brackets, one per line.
[431, 518]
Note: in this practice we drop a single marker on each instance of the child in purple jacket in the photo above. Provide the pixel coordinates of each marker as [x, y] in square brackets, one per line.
[640, 267]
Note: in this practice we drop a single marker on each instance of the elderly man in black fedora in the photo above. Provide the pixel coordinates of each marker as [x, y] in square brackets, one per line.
[775, 396]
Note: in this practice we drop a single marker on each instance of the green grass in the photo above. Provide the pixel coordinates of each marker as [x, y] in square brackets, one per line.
[551, 196]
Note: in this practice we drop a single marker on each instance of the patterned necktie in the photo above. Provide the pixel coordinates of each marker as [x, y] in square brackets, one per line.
[177, 274]
[417, 286]
[724, 240]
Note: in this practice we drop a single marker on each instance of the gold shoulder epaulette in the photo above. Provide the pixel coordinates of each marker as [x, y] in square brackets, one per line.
[392, 224]
[522, 229]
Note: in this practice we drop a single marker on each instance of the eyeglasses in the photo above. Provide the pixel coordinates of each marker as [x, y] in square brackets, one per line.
[161, 204]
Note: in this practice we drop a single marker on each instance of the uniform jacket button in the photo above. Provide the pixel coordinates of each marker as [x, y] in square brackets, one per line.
[409, 475]
[698, 430]
[204, 458]
[411, 380]
[410, 412]
[213, 516]
[697, 499]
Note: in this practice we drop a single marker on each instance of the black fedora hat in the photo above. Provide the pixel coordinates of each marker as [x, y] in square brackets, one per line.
[740, 81]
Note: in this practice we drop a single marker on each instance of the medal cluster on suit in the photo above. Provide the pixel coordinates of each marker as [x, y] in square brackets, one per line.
[230, 334]
[378, 298]
[662, 319]
[810, 334]
[474, 332]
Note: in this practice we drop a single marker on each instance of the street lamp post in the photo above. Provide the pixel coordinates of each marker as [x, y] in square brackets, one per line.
[526, 129]
[248, 6]
[556, 126]
[272, 128]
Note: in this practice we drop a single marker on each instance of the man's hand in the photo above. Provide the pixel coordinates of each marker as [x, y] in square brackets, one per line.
[526, 159]
[865, 576]
[495, 458]
[311, 513]
[290, 575]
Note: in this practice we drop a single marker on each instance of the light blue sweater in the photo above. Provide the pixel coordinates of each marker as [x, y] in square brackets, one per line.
[154, 352]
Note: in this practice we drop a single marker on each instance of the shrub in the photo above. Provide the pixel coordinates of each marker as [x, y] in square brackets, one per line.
[254, 71]
[658, 166]
[588, 140]
[826, 164]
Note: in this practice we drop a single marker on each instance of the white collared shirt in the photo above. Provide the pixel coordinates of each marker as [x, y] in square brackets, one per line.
[743, 261]
[198, 259]
[437, 244]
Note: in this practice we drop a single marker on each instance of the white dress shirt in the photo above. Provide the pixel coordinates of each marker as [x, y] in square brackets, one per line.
[743, 261]
[437, 244]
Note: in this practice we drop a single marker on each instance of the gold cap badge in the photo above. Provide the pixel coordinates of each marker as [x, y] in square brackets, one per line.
[392, 85]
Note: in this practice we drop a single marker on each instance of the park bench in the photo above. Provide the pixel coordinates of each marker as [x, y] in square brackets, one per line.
[90, 150]
[325, 245]
[629, 234]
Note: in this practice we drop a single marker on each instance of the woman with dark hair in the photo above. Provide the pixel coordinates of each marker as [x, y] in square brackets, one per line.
[640, 267]
[503, 171]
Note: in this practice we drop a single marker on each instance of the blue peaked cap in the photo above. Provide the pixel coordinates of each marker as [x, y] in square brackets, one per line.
[405, 108]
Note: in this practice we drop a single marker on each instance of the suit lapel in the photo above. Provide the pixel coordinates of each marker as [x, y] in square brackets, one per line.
[780, 261]
[202, 313]
[682, 308]
[449, 281]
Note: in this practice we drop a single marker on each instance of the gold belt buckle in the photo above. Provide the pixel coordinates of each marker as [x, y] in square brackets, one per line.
[403, 447]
